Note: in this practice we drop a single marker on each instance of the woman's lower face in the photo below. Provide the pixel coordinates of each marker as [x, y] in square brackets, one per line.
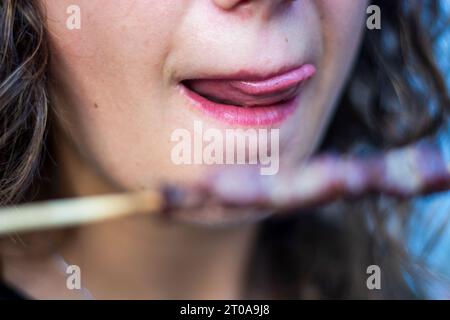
[143, 87]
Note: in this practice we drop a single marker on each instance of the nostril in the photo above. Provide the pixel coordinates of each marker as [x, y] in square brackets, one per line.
[234, 4]
[229, 4]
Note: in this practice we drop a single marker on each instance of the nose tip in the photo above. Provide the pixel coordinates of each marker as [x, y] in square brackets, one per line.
[230, 4]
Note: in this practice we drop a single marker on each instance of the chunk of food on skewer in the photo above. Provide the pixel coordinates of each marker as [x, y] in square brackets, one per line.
[406, 172]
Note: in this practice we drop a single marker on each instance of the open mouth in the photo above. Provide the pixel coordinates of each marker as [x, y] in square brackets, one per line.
[251, 100]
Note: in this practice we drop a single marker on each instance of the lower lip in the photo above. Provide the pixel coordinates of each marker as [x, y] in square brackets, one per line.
[250, 117]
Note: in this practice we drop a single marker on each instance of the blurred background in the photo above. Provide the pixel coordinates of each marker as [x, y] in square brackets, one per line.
[429, 229]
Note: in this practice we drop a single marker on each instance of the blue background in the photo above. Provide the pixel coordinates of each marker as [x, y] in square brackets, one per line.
[432, 213]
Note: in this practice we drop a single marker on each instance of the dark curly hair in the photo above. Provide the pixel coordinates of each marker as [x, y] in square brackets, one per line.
[23, 96]
[396, 95]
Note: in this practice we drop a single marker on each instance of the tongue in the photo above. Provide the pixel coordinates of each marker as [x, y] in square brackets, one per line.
[253, 93]
[223, 91]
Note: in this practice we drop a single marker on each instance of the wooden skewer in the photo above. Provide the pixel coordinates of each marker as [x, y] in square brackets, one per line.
[70, 212]
[404, 173]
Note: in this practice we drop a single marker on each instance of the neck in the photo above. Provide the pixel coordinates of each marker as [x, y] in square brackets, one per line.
[145, 257]
[138, 258]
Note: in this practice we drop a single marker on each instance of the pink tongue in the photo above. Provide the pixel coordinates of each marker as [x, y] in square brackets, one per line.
[254, 93]
[226, 91]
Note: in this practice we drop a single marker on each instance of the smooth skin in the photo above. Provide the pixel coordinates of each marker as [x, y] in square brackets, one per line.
[115, 89]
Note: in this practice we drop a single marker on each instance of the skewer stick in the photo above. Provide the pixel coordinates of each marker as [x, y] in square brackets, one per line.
[404, 173]
[70, 212]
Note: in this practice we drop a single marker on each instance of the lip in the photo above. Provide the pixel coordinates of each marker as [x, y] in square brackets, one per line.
[254, 100]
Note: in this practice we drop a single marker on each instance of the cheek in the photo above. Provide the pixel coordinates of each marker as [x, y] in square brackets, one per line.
[107, 82]
[120, 31]
[342, 22]
[107, 62]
